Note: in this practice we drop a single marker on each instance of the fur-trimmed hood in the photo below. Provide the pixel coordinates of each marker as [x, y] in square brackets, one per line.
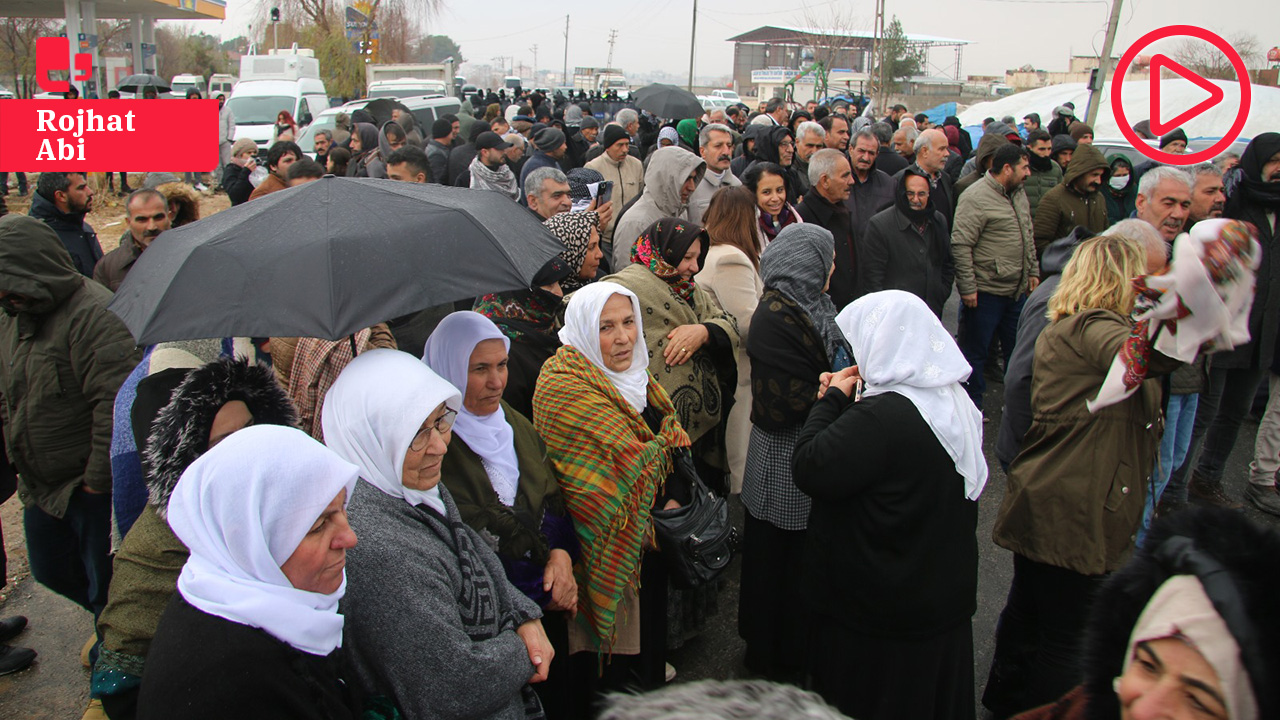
[185, 199]
[180, 433]
[1249, 552]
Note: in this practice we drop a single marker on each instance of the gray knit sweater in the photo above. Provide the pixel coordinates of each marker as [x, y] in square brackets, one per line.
[430, 616]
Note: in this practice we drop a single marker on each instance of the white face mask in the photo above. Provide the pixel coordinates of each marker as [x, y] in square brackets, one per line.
[1120, 183]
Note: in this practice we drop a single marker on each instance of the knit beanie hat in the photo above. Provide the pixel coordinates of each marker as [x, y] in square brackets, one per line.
[548, 139]
[1175, 134]
[1063, 142]
[589, 122]
[612, 134]
[1079, 130]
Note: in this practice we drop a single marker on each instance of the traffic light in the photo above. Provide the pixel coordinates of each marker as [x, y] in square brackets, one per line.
[275, 14]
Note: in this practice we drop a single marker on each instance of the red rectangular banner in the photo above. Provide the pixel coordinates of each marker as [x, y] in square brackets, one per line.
[108, 135]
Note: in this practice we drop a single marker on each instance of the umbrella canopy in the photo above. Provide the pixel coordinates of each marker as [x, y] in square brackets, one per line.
[135, 83]
[328, 259]
[668, 101]
[381, 109]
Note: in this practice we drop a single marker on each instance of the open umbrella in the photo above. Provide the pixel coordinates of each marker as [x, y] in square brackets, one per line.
[135, 83]
[380, 109]
[328, 259]
[668, 101]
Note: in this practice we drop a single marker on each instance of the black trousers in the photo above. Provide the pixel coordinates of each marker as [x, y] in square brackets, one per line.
[1038, 637]
[771, 616]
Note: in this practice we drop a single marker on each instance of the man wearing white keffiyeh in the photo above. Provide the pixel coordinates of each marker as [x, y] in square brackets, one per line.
[489, 170]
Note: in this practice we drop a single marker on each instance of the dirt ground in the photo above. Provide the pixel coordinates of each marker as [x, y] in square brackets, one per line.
[107, 215]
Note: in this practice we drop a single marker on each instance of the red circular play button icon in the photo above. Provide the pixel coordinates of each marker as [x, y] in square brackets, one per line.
[1161, 125]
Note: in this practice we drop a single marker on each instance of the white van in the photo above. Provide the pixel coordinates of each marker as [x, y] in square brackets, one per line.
[221, 84]
[271, 83]
[180, 84]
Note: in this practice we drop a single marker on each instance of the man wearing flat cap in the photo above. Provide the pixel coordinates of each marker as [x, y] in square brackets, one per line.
[550, 146]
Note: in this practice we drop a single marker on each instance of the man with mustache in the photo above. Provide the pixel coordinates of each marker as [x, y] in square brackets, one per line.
[715, 145]
[147, 214]
[1207, 197]
[1077, 200]
[1164, 200]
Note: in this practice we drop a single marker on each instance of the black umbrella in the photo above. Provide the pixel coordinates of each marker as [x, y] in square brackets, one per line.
[329, 258]
[668, 101]
[381, 108]
[135, 83]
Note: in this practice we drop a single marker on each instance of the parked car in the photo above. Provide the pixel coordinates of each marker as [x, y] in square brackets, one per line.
[426, 109]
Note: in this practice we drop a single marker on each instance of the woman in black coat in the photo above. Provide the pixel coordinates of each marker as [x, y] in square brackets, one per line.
[254, 629]
[891, 565]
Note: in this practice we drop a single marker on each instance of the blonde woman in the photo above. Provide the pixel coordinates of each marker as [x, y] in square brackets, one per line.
[1074, 498]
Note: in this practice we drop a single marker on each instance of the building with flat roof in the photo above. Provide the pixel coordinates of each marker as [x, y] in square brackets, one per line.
[849, 51]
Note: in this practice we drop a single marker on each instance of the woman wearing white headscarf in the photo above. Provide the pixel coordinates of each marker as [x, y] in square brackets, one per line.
[433, 626]
[254, 627]
[504, 485]
[610, 429]
[891, 569]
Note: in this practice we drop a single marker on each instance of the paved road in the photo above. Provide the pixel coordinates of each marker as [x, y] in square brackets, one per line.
[57, 686]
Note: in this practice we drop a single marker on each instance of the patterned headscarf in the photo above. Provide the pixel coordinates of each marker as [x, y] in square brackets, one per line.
[574, 230]
[797, 264]
[521, 312]
[662, 246]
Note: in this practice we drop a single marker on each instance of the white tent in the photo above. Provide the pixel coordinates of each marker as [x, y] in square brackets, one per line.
[1176, 95]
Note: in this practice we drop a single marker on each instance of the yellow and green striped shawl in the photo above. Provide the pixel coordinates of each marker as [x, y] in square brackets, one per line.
[611, 469]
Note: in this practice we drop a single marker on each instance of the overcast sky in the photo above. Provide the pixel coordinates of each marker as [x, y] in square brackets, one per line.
[653, 35]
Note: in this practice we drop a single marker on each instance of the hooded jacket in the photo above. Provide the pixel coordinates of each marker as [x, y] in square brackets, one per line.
[895, 254]
[62, 359]
[1065, 206]
[770, 137]
[376, 163]
[1257, 201]
[739, 164]
[987, 147]
[76, 235]
[149, 560]
[1120, 205]
[667, 171]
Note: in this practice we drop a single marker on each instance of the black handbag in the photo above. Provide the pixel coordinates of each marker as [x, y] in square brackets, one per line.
[696, 539]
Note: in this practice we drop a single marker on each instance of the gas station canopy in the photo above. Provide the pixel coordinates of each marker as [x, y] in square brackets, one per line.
[155, 9]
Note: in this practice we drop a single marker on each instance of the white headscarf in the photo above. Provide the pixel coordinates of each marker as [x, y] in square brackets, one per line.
[901, 347]
[373, 411]
[242, 509]
[448, 353]
[582, 331]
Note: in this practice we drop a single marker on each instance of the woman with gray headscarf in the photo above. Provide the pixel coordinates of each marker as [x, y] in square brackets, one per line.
[793, 340]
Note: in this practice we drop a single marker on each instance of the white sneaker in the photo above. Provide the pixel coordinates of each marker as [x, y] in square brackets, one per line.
[201, 187]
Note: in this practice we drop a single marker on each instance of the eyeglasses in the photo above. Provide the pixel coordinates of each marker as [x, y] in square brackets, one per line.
[442, 426]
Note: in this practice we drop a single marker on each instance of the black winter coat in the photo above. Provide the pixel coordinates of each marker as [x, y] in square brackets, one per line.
[893, 255]
[235, 180]
[889, 162]
[76, 234]
[891, 549]
[836, 218]
[202, 666]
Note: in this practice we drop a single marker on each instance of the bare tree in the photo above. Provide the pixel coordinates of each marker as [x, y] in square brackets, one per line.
[833, 46]
[1207, 60]
[18, 51]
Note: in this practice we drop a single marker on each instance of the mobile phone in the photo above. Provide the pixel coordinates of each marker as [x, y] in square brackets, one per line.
[604, 193]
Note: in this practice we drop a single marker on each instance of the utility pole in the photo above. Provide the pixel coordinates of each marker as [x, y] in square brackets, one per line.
[613, 37]
[534, 49]
[1104, 65]
[878, 50]
[564, 80]
[693, 38]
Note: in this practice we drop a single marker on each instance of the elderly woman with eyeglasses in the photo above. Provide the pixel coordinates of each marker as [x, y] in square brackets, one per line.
[433, 627]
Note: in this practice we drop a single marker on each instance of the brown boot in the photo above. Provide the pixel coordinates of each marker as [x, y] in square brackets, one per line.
[1208, 492]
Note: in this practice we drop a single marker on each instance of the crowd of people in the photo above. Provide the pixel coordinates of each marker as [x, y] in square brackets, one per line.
[452, 513]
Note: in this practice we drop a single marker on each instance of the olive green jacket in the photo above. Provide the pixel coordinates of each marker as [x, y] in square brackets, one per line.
[63, 357]
[1075, 491]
